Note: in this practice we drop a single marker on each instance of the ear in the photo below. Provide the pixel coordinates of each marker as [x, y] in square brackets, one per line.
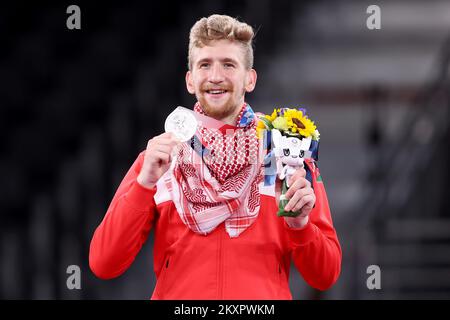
[190, 83]
[250, 81]
[276, 138]
[305, 143]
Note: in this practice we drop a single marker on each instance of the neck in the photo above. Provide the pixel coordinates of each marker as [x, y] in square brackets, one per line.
[232, 118]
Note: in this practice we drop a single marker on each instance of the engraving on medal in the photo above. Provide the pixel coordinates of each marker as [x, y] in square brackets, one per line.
[182, 123]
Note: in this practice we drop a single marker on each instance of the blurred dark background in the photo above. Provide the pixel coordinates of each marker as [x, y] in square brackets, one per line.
[77, 106]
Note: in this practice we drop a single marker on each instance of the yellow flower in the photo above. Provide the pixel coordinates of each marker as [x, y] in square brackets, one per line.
[259, 132]
[272, 117]
[309, 127]
[261, 125]
[280, 123]
[297, 122]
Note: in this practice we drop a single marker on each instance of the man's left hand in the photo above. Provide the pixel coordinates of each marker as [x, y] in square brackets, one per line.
[301, 195]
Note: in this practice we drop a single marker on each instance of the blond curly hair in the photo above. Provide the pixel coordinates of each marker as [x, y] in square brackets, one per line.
[219, 27]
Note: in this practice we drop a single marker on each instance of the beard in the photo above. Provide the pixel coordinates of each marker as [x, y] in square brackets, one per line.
[226, 109]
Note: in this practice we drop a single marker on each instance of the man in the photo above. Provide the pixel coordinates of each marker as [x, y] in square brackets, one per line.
[217, 235]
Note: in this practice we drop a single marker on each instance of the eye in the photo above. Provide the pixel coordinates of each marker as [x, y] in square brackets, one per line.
[229, 65]
[204, 65]
[302, 153]
[286, 152]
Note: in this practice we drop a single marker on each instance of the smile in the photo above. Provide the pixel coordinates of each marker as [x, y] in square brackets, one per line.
[216, 91]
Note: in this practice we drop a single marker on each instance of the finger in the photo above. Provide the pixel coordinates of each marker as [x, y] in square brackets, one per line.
[163, 141]
[299, 173]
[166, 140]
[299, 194]
[161, 156]
[173, 137]
[163, 148]
[305, 211]
[296, 185]
[167, 135]
[307, 201]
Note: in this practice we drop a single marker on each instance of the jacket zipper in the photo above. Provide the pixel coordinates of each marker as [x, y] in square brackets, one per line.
[162, 275]
[220, 263]
[164, 270]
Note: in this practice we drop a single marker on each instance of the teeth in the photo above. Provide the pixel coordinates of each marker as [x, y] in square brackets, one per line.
[216, 91]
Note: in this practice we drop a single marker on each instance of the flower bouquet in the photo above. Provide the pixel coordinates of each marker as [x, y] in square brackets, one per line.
[295, 138]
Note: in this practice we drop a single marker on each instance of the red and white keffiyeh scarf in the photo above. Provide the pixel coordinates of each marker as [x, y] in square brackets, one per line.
[215, 176]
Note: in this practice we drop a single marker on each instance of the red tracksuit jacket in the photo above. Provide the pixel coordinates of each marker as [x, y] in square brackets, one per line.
[254, 265]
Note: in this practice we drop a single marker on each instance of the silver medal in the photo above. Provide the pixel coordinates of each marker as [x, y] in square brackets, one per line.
[182, 123]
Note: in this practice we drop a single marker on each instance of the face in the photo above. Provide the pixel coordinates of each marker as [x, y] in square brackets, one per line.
[219, 79]
[294, 150]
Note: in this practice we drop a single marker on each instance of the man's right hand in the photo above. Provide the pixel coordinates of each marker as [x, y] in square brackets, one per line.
[157, 159]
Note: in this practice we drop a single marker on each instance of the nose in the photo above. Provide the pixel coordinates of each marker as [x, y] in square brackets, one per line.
[216, 75]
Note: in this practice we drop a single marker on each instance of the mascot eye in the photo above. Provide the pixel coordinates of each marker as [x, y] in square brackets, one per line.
[302, 153]
[286, 152]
